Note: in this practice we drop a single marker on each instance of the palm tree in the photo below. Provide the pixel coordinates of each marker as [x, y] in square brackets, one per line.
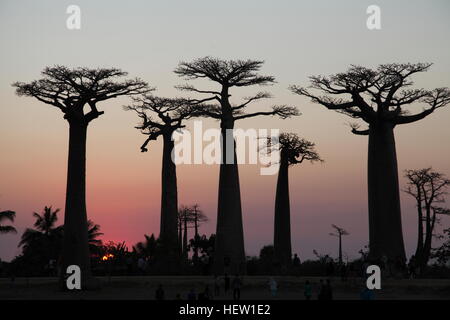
[7, 215]
[146, 248]
[45, 233]
[44, 242]
[93, 233]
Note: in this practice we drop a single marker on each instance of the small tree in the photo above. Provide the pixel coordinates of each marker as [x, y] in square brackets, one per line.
[71, 91]
[339, 233]
[428, 188]
[229, 74]
[379, 97]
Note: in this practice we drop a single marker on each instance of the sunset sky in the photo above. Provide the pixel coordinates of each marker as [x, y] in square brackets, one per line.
[148, 39]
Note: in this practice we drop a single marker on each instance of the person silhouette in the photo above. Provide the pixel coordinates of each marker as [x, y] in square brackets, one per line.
[308, 290]
[216, 285]
[192, 295]
[273, 287]
[159, 293]
[321, 293]
[237, 284]
[328, 294]
[226, 279]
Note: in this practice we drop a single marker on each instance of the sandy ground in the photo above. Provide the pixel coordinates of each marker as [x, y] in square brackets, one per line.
[255, 288]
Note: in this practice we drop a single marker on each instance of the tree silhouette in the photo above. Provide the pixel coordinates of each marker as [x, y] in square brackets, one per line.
[170, 114]
[7, 215]
[228, 74]
[43, 243]
[379, 97]
[293, 150]
[428, 188]
[339, 233]
[94, 233]
[70, 90]
[190, 217]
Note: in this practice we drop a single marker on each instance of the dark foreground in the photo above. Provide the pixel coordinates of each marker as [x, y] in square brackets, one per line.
[254, 288]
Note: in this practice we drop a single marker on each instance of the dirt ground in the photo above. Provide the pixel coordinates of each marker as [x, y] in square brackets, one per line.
[254, 288]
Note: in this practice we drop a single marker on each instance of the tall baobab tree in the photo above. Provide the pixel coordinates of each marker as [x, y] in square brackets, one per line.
[169, 115]
[293, 150]
[227, 74]
[428, 188]
[379, 97]
[339, 233]
[71, 91]
[7, 215]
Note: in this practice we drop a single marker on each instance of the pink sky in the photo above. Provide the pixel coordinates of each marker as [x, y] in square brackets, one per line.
[148, 40]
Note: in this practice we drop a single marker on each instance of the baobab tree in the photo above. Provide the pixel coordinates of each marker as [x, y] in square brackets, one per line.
[293, 150]
[168, 116]
[339, 233]
[428, 188]
[228, 74]
[7, 215]
[189, 217]
[379, 97]
[198, 217]
[71, 91]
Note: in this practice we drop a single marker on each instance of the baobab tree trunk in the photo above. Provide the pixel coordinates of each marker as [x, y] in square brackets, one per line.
[196, 236]
[419, 249]
[282, 225]
[185, 240]
[340, 249]
[429, 226]
[169, 197]
[385, 225]
[229, 254]
[75, 243]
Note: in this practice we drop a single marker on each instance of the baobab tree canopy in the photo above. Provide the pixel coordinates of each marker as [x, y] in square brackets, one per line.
[169, 112]
[71, 89]
[376, 94]
[379, 97]
[229, 73]
[296, 149]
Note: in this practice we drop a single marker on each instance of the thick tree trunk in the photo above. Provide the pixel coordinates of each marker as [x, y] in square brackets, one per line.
[282, 225]
[75, 243]
[169, 197]
[340, 249]
[385, 225]
[229, 254]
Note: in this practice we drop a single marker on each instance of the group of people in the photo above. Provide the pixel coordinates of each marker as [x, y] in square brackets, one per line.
[229, 285]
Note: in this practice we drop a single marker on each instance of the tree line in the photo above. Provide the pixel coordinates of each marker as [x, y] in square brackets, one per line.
[380, 97]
